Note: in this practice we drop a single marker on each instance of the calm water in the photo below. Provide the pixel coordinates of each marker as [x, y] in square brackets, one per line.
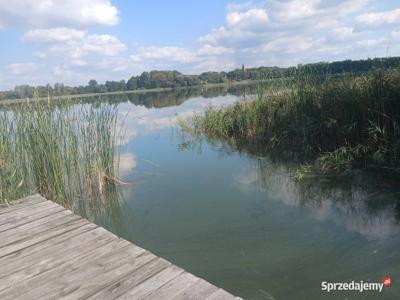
[241, 222]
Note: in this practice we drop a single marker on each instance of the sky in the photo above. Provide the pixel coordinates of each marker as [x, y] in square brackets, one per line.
[49, 41]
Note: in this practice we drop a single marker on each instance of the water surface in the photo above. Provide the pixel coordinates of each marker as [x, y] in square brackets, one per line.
[241, 222]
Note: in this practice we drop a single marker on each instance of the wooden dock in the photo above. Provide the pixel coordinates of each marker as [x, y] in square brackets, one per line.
[48, 252]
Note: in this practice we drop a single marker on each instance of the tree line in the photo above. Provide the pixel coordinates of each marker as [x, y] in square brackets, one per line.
[173, 79]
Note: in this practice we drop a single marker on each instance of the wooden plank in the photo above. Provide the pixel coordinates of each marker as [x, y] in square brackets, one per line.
[52, 242]
[220, 294]
[36, 231]
[41, 237]
[26, 202]
[63, 280]
[155, 282]
[25, 217]
[180, 283]
[47, 252]
[27, 288]
[34, 227]
[133, 279]
[56, 262]
[199, 291]
[101, 280]
[25, 212]
[61, 252]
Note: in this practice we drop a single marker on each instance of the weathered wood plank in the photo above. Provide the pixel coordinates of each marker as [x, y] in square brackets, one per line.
[53, 256]
[52, 242]
[104, 279]
[66, 279]
[131, 280]
[26, 212]
[155, 282]
[6, 250]
[23, 203]
[25, 217]
[220, 294]
[199, 291]
[47, 252]
[38, 286]
[169, 290]
[35, 227]
[52, 266]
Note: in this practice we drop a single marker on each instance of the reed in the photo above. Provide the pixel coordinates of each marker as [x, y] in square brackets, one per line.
[335, 123]
[66, 153]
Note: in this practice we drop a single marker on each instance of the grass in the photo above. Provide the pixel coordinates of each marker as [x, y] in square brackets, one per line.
[333, 124]
[61, 151]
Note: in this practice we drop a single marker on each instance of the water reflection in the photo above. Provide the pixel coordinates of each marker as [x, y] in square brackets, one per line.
[358, 202]
[236, 217]
[366, 202]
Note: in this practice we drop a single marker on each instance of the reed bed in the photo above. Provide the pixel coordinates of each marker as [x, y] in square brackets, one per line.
[333, 124]
[66, 153]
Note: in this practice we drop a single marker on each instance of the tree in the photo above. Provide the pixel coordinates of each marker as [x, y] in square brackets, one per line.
[93, 86]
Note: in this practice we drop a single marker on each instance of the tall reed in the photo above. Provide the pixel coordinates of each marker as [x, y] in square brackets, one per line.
[338, 120]
[66, 153]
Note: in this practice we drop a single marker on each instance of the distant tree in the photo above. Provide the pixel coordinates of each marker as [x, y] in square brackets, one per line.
[132, 83]
[163, 79]
[92, 87]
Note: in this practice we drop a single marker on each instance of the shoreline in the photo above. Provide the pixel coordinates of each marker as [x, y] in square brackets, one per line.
[138, 91]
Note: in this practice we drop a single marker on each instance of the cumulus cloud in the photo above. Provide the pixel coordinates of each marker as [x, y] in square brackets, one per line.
[371, 43]
[43, 13]
[273, 32]
[379, 18]
[252, 19]
[75, 46]
[297, 9]
[342, 33]
[286, 32]
[209, 50]
[163, 53]
[22, 68]
[53, 35]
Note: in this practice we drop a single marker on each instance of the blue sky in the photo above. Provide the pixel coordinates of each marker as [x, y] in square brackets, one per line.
[73, 41]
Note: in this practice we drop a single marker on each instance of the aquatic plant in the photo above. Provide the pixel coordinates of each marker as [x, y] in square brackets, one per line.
[338, 120]
[64, 152]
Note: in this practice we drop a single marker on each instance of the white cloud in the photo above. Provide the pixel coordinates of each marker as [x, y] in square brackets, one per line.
[163, 54]
[43, 13]
[370, 43]
[104, 44]
[253, 19]
[287, 32]
[380, 18]
[75, 47]
[22, 68]
[238, 6]
[273, 32]
[292, 45]
[297, 9]
[53, 35]
[207, 50]
[342, 33]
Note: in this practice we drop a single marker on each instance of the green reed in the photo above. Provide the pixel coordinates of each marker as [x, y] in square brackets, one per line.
[337, 122]
[62, 151]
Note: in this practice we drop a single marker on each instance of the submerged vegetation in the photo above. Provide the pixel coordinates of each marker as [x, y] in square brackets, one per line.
[329, 123]
[63, 152]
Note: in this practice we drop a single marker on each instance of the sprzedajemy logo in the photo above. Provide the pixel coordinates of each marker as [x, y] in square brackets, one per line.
[359, 286]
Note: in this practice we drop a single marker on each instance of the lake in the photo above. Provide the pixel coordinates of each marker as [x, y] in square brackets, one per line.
[242, 222]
